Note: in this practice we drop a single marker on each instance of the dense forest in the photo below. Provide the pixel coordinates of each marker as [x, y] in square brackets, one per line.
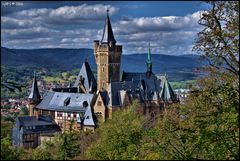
[205, 127]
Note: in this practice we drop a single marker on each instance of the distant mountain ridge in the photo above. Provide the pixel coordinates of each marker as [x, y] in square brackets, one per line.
[177, 67]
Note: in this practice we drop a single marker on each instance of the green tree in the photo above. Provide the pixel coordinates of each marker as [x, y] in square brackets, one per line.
[40, 154]
[24, 111]
[65, 75]
[207, 125]
[219, 39]
[7, 151]
[119, 137]
[69, 146]
[6, 127]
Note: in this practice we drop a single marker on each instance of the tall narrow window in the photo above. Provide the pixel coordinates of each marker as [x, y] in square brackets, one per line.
[103, 69]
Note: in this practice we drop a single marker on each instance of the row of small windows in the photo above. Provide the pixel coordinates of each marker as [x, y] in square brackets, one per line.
[30, 127]
[29, 137]
[60, 114]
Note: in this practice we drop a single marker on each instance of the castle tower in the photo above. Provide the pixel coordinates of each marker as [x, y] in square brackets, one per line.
[149, 61]
[34, 97]
[108, 57]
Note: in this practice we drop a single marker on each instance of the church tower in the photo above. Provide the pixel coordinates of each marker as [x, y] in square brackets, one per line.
[34, 97]
[108, 57]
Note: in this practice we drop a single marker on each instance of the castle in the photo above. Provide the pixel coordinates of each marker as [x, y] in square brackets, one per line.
[88, 101]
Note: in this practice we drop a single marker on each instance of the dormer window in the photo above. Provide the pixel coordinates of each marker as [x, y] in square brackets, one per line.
[85, 104]
[67, 101]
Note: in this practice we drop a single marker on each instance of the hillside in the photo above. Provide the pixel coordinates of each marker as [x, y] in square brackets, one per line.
[178, 68]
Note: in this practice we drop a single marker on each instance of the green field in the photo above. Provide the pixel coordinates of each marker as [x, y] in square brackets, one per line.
[183, 84]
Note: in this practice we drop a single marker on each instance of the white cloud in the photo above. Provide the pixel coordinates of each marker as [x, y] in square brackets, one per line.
[65, 15]
[31, 33]
[46, 27]
[150, 24]
[13, 23]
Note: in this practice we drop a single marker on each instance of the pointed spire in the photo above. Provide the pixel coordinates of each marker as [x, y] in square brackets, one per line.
[149, 60]
[149, 52]
[167, 92]
[108, 33]
[34, 95]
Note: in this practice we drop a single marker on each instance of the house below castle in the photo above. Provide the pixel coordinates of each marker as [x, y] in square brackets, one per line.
[30, 131]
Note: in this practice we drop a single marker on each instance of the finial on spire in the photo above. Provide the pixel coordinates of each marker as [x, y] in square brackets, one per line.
[107, 10]
[166, 77]
[107, 31]
[86, 59]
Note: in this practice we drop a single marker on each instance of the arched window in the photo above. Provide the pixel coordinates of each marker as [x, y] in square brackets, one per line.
[99, 114]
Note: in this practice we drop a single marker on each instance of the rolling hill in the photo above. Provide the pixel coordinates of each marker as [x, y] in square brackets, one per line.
[178, 68]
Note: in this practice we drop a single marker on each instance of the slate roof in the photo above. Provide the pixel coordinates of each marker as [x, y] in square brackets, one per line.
[116, 92]
[55, 101]
[88, 117]
[152, 87]
[167, 93]
[107, 32]
[31, 121]
[42, 124]
[90, 82]
[105, 98]
[68, 89]
[34, 95]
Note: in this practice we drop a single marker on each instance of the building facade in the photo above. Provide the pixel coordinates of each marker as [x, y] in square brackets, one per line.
[31, 131]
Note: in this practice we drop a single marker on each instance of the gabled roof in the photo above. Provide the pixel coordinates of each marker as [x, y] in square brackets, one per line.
[150, 85]
[89, 79]
[123, 95]
[88, 117]
[34, 121]
[107, 32]
[55, 101]
[114, 93]
[41, 124]
[34, 95]
[167, 93]
[104, 96]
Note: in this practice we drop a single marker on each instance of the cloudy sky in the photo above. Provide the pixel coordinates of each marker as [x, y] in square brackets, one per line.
[170, 27]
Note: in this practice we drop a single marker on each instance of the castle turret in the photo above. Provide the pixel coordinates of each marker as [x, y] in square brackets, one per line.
[34, 97]
[108, 57]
